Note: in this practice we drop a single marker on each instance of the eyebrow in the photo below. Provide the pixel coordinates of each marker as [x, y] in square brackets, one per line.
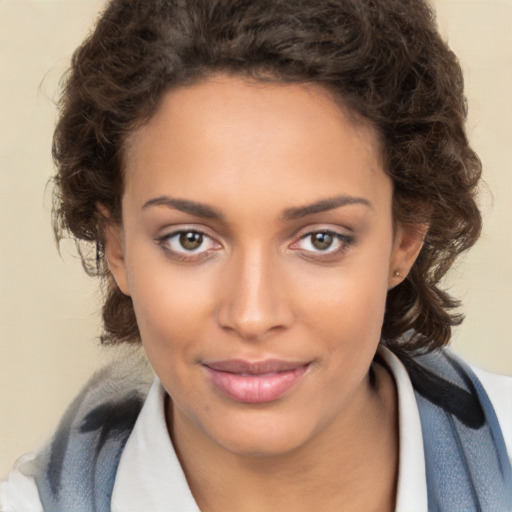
[324, 205]
[203, 210]
[184, 205]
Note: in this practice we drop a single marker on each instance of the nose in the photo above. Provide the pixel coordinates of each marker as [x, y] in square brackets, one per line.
[254, 297]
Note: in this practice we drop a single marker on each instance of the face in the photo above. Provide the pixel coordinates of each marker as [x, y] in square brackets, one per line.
[257, 245]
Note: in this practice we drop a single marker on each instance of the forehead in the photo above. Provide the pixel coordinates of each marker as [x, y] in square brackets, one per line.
[286, 143]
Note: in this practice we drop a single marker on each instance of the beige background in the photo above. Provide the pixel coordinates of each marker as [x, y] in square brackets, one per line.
[48, 307]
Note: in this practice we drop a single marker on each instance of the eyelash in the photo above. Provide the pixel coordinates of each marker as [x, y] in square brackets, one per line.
[343, 241]
[184, 255]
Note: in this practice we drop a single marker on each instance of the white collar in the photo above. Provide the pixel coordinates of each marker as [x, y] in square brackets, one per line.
[412, 480]
[150, 476]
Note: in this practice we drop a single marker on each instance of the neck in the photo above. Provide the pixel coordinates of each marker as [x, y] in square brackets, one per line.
[351, 465]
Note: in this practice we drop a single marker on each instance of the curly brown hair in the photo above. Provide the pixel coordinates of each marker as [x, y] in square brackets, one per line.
[383, 59]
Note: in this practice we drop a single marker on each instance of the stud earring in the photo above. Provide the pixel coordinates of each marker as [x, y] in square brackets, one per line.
[397, 274]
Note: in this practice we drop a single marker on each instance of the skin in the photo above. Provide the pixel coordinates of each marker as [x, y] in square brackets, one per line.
[252, 155]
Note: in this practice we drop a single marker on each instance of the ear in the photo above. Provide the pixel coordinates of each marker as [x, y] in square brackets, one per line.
[407, 245]
[113, 241]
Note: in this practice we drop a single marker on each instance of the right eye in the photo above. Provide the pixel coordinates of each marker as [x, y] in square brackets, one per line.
[187, 243]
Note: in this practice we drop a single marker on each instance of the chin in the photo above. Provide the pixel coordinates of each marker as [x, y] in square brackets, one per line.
[265, 447]
[263, 439]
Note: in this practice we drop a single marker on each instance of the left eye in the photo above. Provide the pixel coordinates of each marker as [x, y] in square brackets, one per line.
[187, 242]
[326, 242]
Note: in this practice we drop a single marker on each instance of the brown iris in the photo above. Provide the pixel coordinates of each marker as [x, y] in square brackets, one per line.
[321, 241]
[191, 240]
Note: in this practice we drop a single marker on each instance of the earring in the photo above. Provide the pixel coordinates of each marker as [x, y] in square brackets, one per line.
[397, 274]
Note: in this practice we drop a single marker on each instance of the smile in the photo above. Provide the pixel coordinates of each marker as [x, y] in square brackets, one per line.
[258, 382]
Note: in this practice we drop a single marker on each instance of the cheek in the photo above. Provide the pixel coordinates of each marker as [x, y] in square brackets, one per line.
[348, 325]
[172, 319]
[356, 289]
[346, 306]
[172, 305]
[350, 311]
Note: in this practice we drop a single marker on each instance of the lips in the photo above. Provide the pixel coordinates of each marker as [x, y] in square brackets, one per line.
[255, 382]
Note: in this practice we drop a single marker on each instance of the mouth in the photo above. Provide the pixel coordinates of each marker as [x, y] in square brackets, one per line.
[255, 382]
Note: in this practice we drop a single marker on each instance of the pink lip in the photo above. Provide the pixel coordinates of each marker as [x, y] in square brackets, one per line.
[255, 382]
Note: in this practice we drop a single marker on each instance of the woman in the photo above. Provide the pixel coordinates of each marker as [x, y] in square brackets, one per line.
[274, 190]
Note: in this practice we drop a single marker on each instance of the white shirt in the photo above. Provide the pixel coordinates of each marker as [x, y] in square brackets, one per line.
[160, 485]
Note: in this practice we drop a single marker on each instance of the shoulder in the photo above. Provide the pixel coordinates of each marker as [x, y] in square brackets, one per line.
[499, 390]
[444, 379]
[19, 491]
[95, 422]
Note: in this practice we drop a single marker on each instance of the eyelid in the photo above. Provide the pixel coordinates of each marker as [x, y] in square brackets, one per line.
[184, 255]
[174, 229]
[325, 226]
[345, 240]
